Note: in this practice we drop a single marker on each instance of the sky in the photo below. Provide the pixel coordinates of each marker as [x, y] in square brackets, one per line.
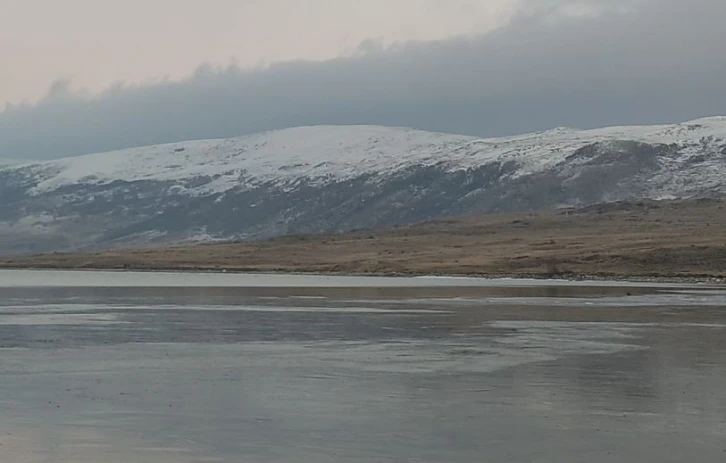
[100, 42]
[83, 76]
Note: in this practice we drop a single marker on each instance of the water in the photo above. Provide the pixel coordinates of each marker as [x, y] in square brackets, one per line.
[115, 367]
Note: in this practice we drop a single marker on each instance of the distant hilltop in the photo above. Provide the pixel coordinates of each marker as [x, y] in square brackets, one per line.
[339, 178]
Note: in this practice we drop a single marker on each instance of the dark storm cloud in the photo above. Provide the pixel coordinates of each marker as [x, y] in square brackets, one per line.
[580, 64]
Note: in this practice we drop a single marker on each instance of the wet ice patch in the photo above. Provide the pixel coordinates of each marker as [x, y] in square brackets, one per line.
[670, 299]
[518, 343]
[298, 309]
[705, 325]
[565, 338]
[413, 357]
[74, 309]
[512, 343]
[60, 319]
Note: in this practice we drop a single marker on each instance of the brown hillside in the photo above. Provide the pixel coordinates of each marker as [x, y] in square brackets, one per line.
[659, 239]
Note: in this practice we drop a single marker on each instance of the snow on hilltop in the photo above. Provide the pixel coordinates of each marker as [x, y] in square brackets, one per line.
[333, 179]
[335, 153]
[321, 152]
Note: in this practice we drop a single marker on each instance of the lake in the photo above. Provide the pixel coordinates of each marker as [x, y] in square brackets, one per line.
[188, 368]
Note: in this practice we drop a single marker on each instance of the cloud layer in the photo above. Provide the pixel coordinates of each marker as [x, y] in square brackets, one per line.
[574, 63]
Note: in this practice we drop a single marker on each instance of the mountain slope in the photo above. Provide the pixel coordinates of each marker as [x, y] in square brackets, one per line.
[324, 179]
[673, 239]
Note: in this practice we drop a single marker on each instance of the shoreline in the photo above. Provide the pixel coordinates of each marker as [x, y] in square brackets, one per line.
[575, 278]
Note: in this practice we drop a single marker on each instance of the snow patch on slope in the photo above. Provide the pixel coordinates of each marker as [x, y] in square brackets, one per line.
[317, 153]
[335, 153]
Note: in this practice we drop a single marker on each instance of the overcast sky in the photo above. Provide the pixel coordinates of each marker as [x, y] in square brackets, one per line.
[83, 76]
[98, 42]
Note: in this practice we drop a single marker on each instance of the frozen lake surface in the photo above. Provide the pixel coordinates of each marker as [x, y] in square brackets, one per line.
[188, 368]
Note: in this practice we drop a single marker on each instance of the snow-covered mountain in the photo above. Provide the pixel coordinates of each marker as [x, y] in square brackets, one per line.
[316, 179]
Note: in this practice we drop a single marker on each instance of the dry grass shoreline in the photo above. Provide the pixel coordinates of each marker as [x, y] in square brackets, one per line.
[649, 241]
[597, 277]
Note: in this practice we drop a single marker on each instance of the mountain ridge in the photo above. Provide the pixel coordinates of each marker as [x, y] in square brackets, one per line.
[338, 178]
[315, 137]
